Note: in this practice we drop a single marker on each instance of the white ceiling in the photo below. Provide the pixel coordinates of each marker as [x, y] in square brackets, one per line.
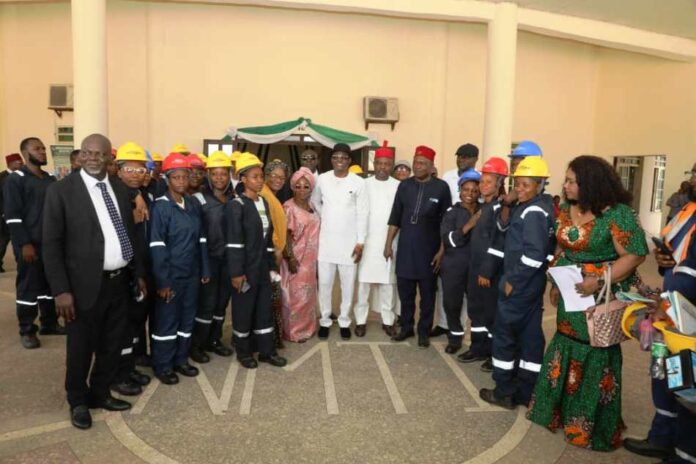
[672, 17]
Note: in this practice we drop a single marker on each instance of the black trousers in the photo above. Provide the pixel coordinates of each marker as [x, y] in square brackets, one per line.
[407, 294]
[97, 333]
[482, 304]
[252, 315]
[33, 295]
[454, 275]
[4, 241]
[214, 298]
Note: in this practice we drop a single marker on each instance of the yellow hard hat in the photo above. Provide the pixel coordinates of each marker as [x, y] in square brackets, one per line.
[235, 156]
[130, 151]
[675, 341]
[156, 157]
[631, 315]
[218, 159]
[202, 157]
[180, 148]
[355, 169]
[532, 166]
[247, 160]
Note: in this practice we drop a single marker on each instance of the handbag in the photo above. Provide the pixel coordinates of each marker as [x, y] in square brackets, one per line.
[604, 319]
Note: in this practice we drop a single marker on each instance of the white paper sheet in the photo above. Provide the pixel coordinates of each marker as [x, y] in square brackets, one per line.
[566, 277]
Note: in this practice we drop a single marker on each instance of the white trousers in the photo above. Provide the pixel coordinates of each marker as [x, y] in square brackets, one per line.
[327, 274]
[385, 302]
[440, 308]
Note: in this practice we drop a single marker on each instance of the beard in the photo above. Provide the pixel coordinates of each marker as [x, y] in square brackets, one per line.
[37, 162]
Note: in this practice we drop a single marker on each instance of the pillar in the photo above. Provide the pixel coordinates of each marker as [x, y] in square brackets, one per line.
[500, 81]
[90, 96]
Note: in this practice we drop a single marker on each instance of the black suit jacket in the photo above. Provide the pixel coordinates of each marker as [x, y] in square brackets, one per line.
[3, 177]
[73, 246]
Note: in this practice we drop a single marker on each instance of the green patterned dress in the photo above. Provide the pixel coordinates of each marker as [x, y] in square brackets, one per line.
[579, 386]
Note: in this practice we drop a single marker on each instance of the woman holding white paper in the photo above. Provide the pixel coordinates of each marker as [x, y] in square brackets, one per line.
[579, 386]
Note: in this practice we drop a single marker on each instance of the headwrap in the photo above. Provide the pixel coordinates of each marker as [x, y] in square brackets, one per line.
[275, 164]
[299, 174]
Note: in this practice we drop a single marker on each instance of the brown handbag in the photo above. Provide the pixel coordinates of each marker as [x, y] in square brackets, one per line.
[604, 319]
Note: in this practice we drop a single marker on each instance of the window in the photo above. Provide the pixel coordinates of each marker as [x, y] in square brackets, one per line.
[658, 188]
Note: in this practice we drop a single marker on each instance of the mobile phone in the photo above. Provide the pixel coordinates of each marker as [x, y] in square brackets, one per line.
[660, 244]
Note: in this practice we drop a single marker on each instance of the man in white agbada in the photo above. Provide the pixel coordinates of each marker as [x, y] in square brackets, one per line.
[374, 271]
[341, 201]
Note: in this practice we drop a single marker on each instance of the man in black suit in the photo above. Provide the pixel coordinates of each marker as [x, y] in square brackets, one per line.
[13, 161]
[91, 255]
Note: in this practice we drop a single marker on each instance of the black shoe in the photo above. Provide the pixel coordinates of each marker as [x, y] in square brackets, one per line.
[401, 336]
[390, 330]
[168, 377]
[345, 333]
[452, 348]
[469, 357]
[55, 330]
[423, 341]
[323, 333]
[249, 363]
[127, 388]
[437, 331]
[30, 341]
[80, 417]
[219, 349]
[488, 395]
[487, 365]
[139, 378]
[143, 360]
[198, 355]
[273, 360]
[111, 404]
[360, 330]
[186, 370]
[646, 448]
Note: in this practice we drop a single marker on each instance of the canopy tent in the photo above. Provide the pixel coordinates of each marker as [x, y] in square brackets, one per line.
[327, 136]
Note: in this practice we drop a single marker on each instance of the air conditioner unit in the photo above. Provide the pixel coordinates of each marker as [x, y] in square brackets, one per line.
[60, 97]
[382, 110]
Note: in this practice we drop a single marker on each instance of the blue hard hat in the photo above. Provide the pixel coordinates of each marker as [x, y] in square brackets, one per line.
[469, 174]
[526, 148]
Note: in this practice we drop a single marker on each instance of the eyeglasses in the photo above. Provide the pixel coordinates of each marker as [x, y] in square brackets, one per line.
[132, 170]
[303, 187]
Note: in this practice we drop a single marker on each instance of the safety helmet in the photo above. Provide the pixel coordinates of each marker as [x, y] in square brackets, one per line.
[156, 157]
[175, 161]
[235, 156]
[180, 148]
[130, 151]
[630, 321]
[202, 157]
[526, 148]
[195, 161]
[355, 169]
[675, 341]
[247, 160]
[495, 165]
[218, 159]
[532, 166]
[469, 174]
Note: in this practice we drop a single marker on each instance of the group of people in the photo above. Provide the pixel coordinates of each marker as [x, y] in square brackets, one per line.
[131, 247]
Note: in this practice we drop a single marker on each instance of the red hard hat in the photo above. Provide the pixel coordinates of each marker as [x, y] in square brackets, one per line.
[175, 161]
[194, 161]
[495, 165]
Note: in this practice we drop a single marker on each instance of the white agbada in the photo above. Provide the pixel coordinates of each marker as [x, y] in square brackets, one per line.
[373, 268]
[342, 204]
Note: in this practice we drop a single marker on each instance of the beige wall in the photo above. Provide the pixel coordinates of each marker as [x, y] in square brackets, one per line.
[186, 72]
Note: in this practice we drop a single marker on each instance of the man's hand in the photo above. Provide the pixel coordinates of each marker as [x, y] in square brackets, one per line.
[483, 282]
[166, 294]
[554, 295]
[437, 260]
[238, 282]
[388, 252]
[29, 253]
[663, 260]
[65, 307]
[140, 213]
[205, 280]
[508, 289]
[357, 253]
[142, 286]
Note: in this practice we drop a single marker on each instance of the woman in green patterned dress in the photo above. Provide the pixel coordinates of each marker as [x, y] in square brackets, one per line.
[579, 386]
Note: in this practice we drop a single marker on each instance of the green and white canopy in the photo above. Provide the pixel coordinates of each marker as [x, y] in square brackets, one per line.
[327, 136]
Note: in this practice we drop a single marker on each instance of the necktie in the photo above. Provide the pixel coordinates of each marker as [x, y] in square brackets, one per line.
[126, 247]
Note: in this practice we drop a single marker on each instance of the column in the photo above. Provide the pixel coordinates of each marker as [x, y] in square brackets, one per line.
[89, 68]
[500, 81]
